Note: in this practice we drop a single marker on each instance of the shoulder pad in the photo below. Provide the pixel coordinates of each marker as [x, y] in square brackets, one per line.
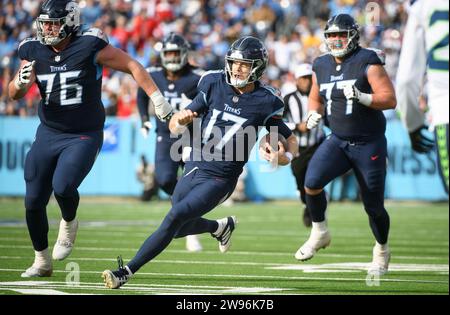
[380, 53]
[28, 39]
[209, 73]
[96, 32]
[198, 71]
[272, 90]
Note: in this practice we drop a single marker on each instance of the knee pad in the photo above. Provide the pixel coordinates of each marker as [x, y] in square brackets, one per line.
[313, 183]
[64, 189]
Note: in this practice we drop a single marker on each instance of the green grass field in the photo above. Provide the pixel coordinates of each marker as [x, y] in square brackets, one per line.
[260, 261]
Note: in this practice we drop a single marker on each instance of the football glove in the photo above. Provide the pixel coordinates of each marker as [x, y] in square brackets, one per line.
[145, 128]
[24, 76]
[313, 119]
[351, 92]
[419, 140]
[163, 110]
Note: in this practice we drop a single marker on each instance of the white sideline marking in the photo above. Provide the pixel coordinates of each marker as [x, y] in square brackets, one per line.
[243, 253]
[240, 276]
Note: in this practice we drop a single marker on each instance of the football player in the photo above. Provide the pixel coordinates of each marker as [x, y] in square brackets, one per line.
[425, 49]
[66, 60]
[177, 81]
[351, 87]
[230, 104]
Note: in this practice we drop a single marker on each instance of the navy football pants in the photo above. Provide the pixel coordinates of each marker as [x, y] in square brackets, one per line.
[196, 193]
[166, 169]
[335, 156]
[56, 162]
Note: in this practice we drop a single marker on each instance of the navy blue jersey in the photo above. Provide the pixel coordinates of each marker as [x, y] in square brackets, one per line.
[347, 119]
[172, 91]
[230, 123]
[69, 81]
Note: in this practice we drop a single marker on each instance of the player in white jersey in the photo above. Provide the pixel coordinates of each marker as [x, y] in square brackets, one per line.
[425, 50]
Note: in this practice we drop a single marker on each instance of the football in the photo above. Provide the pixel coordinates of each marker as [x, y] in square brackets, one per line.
[272, 138]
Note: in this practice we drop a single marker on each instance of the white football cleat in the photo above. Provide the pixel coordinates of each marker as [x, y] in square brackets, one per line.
[42, 266]
[66, 238]
[224, 231]
[380, 261]
[193, 243]
[316, 241]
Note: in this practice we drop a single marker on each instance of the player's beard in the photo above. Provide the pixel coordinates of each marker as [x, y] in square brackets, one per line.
[337, 47]
[237, 82]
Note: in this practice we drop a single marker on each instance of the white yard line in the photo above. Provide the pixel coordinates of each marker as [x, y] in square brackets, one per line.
[329, 267]
[257, 277]
[240, 253]
[48, 287]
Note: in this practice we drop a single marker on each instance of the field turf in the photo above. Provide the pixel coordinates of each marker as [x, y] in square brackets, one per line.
[260, 261]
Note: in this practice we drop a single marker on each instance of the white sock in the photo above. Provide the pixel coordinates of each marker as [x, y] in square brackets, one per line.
[320, 226]
[381, 247]
[221, 224]
[42, 258]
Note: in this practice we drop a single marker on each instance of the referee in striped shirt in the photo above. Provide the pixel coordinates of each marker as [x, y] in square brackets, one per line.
[296, 109]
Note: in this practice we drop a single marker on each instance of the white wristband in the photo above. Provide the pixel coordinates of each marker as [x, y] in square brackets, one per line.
[365, 99]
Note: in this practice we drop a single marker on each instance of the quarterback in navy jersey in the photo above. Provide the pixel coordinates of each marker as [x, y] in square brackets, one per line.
[177, 80]
[352, 85]
[229, 103]
[66, 62]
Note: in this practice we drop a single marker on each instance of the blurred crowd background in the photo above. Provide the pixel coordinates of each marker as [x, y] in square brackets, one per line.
[291, 29]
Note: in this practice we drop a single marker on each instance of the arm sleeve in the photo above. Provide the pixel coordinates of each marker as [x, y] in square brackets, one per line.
[410, 73]
[275, 119]
[283, 129]
[199, 103]
[142, 104]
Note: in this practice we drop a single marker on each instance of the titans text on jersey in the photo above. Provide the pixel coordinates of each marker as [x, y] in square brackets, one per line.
[348, 119]
[230, 113]
[69, 81]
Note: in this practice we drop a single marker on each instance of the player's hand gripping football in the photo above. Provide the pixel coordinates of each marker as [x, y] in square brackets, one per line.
[313, 119]
[24, 75]
[186, 116]
[275, 157]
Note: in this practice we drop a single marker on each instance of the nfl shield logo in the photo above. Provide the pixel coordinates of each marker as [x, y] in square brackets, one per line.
[235, 99]
[57, 58]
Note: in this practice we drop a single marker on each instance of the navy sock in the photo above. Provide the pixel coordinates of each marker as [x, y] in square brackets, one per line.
[197, 226]
[68, 205]
[317, 204]
[38, 228]
[380, 226]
